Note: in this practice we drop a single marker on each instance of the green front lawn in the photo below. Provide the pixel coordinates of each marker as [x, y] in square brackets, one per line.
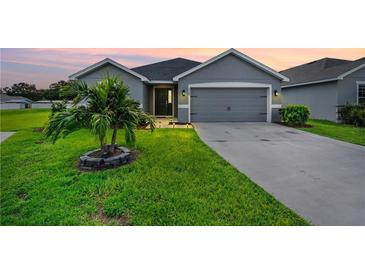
[177, 180]
[13, 120]
[346, 133]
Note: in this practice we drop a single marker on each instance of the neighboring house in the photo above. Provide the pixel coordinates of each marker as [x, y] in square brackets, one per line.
[325, 85]
[14, 102]
[228, 87]
[48, 103]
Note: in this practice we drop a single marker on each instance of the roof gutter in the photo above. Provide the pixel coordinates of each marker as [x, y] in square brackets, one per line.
[310, 83]
[350, 71]
[340, 77]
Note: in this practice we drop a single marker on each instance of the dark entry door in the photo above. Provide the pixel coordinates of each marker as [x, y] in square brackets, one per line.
[163, 102]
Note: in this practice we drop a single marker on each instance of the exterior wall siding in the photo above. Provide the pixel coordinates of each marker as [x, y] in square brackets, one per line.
[347, 88]
[12, 106]
[320, 98]
[150, 100]
[228, 69]
[137, 89]
[42, 105]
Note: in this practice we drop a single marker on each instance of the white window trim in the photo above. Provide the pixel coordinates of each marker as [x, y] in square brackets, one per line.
[358, 83]
[234, 85]
[154, 101]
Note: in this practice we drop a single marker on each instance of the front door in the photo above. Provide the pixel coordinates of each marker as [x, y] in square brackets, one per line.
[163, 101]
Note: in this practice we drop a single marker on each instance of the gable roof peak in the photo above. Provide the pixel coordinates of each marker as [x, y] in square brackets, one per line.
[102, 63]
[239, 55]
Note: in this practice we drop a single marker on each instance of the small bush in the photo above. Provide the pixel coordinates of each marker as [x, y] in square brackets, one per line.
[353, 115]
[296, 115]
[145, 121]
[59, 107]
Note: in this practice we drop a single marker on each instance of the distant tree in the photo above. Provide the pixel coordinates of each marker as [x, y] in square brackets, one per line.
[54, 92]
[58, 85]
[5, 90]
[24, 89]
[48, 94]
[57, 91]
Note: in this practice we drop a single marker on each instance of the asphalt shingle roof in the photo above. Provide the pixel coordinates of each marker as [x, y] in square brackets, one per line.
[166, 70]
[323, 69]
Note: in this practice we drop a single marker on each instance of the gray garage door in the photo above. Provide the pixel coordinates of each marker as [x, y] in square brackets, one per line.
[228, 105]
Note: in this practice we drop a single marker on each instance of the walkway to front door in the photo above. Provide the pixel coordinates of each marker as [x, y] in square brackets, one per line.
[164, 102]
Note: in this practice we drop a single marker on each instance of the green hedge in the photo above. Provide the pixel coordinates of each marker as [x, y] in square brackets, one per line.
[353, 115]
[296, 115]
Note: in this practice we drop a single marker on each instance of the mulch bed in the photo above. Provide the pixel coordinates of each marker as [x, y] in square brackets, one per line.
[99, 154]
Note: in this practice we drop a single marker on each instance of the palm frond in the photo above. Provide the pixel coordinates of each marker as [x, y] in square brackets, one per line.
[130, 135]
[150, 120]
[66, 122]
[108, 106]
[77, 89]
[100, 124]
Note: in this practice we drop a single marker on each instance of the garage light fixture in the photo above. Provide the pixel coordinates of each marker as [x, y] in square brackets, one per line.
[183, 92]
[276, 93]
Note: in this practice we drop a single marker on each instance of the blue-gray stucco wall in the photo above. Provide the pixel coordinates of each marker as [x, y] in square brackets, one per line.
[347, 88]
[228, 69]
[137, 89]
[320, 98]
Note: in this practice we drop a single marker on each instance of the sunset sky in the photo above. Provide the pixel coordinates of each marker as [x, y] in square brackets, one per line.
[44, 66]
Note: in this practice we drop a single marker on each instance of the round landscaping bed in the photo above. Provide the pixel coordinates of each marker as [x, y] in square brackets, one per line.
[110, 156]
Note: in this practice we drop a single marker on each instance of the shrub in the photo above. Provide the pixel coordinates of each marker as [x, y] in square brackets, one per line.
[59, 107]
[353, 115]
[143, 123]
[296, 115]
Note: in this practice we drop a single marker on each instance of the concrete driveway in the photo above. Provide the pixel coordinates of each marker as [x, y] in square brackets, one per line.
[321, 179]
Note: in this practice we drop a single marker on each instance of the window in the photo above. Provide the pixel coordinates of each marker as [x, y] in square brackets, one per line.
[169, 96]
[361, 93]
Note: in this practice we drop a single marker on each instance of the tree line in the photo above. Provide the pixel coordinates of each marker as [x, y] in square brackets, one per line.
[30, 91]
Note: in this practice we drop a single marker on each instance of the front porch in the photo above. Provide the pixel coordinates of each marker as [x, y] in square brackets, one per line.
[162, 100]
[170, 122]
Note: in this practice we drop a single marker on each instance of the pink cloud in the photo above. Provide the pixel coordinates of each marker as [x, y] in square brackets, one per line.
[73, 59]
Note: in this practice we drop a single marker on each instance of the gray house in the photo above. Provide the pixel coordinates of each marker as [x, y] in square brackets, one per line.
[229, 87]
[14, 102]
[324, 85]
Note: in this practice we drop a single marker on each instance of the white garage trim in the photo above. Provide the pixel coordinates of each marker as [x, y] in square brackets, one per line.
[233, 85]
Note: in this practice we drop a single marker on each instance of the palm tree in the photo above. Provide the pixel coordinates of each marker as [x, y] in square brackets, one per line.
[100, 108]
